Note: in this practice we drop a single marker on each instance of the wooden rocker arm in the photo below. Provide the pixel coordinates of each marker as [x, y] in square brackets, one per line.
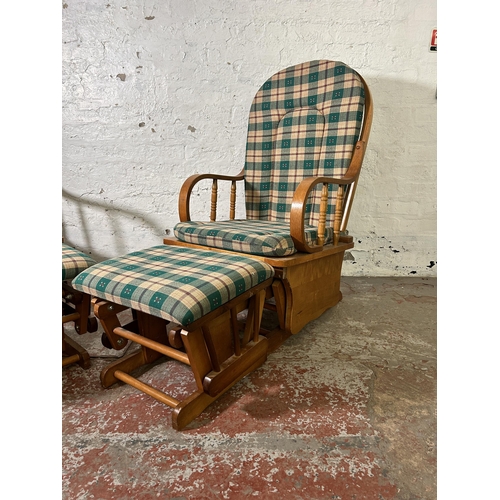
[347, 185]
[189, 184]
[297, 212]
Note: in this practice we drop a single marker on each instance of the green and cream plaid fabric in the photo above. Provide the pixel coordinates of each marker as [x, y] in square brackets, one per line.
[304, 122]
[175, 283]
[73, 262]
[255, 237]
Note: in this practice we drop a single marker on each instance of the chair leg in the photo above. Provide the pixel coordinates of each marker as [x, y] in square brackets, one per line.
[76, 308]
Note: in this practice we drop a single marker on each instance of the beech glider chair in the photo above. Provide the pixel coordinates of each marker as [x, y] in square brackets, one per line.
[75, 306]
[308, 130]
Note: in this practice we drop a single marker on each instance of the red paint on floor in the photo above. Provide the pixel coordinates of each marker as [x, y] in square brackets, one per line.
[308, 424]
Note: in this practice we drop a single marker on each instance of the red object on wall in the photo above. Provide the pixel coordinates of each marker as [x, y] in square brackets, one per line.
[434, 41]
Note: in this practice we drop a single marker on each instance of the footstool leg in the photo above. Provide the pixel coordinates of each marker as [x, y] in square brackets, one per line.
[155, 335]
[196, 349]
[191, 407]
[75, 353]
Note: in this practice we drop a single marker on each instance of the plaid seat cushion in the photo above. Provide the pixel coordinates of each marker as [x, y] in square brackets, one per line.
[174, 283]
[270, 239]
[73, 262]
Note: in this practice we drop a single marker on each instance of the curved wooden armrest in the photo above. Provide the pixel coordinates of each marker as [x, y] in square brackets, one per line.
[188, 185]
[297, 212]
[303, 190]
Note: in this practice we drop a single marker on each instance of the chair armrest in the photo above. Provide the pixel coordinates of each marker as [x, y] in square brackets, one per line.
[189, 184]
[297, 212]
[342, 209]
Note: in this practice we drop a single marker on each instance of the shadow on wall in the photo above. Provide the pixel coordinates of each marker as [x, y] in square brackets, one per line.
[96, 216]
[396, 191]
[393, 219]
[404, 117]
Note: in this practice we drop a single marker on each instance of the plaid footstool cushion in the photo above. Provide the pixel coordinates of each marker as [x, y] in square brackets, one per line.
[74, 262]
[174, 283]
[256, 237]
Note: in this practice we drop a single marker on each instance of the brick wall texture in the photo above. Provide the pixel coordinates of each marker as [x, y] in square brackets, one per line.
[154, 92]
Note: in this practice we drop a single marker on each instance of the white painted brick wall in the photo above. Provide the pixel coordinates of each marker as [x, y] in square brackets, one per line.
[156, 91]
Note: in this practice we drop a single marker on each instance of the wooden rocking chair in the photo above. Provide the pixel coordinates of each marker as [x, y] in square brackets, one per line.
[308, 131]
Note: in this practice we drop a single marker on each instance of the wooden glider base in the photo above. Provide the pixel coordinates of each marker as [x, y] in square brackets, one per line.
[221, 348]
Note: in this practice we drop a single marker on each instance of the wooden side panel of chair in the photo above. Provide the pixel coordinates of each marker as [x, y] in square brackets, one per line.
[310, 289]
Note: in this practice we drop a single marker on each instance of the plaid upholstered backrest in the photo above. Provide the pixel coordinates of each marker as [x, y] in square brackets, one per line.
[304, 121]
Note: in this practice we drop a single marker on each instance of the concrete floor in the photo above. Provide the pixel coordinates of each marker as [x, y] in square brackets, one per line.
[346, 409]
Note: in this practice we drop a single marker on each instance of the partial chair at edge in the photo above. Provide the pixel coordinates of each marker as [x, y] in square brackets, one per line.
[75, 306]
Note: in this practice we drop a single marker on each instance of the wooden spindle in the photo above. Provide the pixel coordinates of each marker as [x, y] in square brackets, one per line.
[338, 215]
[213, 206]
[147, 389]
[323, 207]
[236, 331]
[70, 360]
[152, 344]
[259, 299]
[232, 201]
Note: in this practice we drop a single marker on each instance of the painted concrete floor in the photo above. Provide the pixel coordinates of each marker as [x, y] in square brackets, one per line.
[344, 410]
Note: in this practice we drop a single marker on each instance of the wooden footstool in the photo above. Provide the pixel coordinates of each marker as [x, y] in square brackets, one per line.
[185, 304]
